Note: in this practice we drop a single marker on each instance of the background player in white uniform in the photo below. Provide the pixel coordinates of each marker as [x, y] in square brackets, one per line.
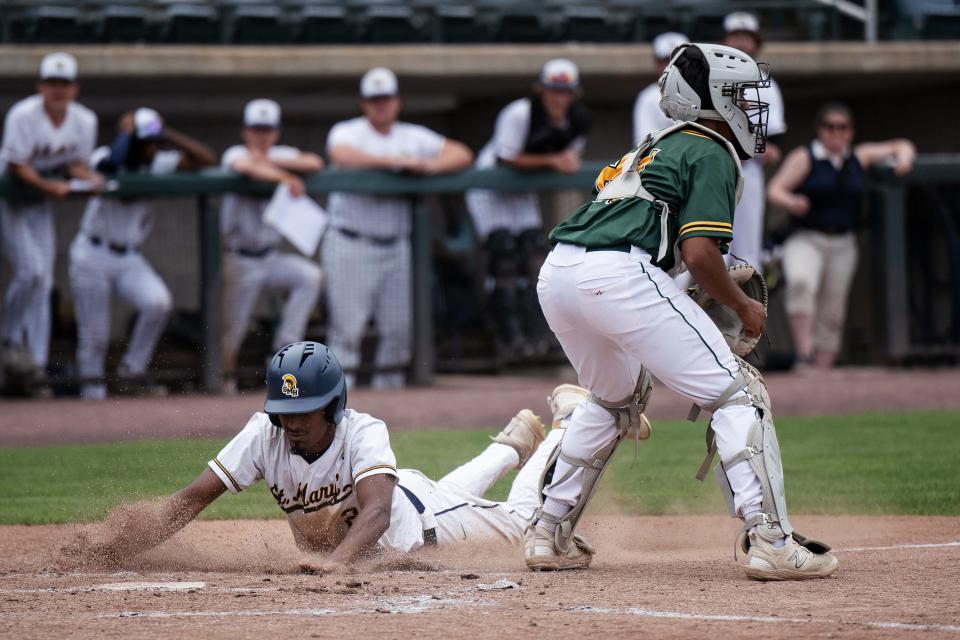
[366, 252]
[47, 139]
[647, 114]
[332, 471]
[251, 261]
[547, 130]
[743, 32]
[105, 256]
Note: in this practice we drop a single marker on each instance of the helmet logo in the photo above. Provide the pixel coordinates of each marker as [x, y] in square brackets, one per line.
[289, 387]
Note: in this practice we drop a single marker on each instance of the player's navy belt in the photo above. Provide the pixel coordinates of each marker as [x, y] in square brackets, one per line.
[383, 242]
[113, 247]
[626, 247]
[429, 535]
[251, 253]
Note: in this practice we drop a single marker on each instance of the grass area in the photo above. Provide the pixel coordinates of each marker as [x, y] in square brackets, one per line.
[891, 463]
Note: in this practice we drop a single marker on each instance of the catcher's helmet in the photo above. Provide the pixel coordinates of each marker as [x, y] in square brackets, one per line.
[304, 377]
[734, 83]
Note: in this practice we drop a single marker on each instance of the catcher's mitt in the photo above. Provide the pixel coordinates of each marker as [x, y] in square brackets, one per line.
[752, 284]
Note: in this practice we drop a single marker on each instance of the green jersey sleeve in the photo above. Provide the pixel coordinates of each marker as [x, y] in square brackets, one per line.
[711, 198]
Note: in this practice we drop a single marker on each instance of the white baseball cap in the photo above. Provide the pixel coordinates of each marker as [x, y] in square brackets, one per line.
[261, 113]
[560, 73]
[379, 81]
[147, 124]
[58, 66]
[741, 21]
[665, 43]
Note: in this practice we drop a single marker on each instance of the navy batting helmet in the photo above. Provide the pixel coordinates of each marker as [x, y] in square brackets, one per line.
[304, 377]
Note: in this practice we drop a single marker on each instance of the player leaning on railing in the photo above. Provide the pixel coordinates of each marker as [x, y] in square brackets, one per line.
[607, 292]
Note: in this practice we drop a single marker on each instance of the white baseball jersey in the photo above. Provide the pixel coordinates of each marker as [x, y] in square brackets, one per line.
[319, 497]
[29, 136]
[378, 216]
[500, 210]
[241, 215]
[125, 221]
[28, 235]
[748, 219]
[647, 115]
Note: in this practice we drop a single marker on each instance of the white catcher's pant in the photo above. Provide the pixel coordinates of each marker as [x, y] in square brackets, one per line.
[96, 273]
[29, 244]
[243, 279]
[455, 504]
[613, 312]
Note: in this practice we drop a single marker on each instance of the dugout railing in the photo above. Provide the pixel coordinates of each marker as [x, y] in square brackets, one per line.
[936, 175]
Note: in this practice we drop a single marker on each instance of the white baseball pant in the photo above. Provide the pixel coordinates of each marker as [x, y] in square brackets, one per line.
[96, 273]
[456, 500]
[613, 312]
[30, 245]
[244, 277]
[366, 279]
[748, 219]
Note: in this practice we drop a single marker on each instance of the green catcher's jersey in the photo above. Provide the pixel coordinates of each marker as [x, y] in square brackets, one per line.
[688, 170]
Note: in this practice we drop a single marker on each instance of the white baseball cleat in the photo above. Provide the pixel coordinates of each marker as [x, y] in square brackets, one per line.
[541, 554]
[524, 433]
[791, 562]
[564, 400]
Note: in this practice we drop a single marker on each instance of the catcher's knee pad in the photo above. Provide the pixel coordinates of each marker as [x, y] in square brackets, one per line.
[628, 416]
[762, 452]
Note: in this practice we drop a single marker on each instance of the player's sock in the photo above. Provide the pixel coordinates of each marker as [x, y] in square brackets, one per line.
[554, 508]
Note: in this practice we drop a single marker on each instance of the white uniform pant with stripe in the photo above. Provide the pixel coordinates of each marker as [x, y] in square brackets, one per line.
[29, 244]
[244, 277]
[748, 219]
[613, 312]
[455, 503]
[96, 273]
[364, 280]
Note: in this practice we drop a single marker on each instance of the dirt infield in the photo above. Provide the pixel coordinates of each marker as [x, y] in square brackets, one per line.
[469, 402]
[664, 577]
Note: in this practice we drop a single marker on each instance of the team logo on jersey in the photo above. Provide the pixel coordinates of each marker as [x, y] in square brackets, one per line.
[289, 387]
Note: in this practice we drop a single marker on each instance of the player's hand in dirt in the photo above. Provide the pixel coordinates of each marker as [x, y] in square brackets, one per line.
[323, 567]
[81, 551]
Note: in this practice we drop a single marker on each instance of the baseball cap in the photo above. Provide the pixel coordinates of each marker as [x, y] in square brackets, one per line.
[261, 113]
[58, 66]
[741, 21]
[560, 73]
[147, 124]
[379, 81]
[665, 43]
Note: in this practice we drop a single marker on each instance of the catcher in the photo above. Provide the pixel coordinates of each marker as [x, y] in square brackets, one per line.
[607, 291]
[332, 471]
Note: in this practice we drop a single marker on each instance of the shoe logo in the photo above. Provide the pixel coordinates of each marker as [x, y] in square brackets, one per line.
[798, 559]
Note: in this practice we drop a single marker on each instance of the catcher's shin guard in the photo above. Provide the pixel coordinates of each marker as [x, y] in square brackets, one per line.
[762, 453]
[628, 416]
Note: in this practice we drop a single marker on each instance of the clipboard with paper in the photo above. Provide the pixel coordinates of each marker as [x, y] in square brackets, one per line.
[300, 220]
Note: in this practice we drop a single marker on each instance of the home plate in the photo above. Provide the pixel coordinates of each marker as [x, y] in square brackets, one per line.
[151, 586]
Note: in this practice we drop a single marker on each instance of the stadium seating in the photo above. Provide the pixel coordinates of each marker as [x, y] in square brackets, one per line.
[463, 21]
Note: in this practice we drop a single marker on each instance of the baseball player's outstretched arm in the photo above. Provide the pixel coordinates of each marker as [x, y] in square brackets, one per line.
[137, 531]
[705, 262]
[303, 162]
[375, 497]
